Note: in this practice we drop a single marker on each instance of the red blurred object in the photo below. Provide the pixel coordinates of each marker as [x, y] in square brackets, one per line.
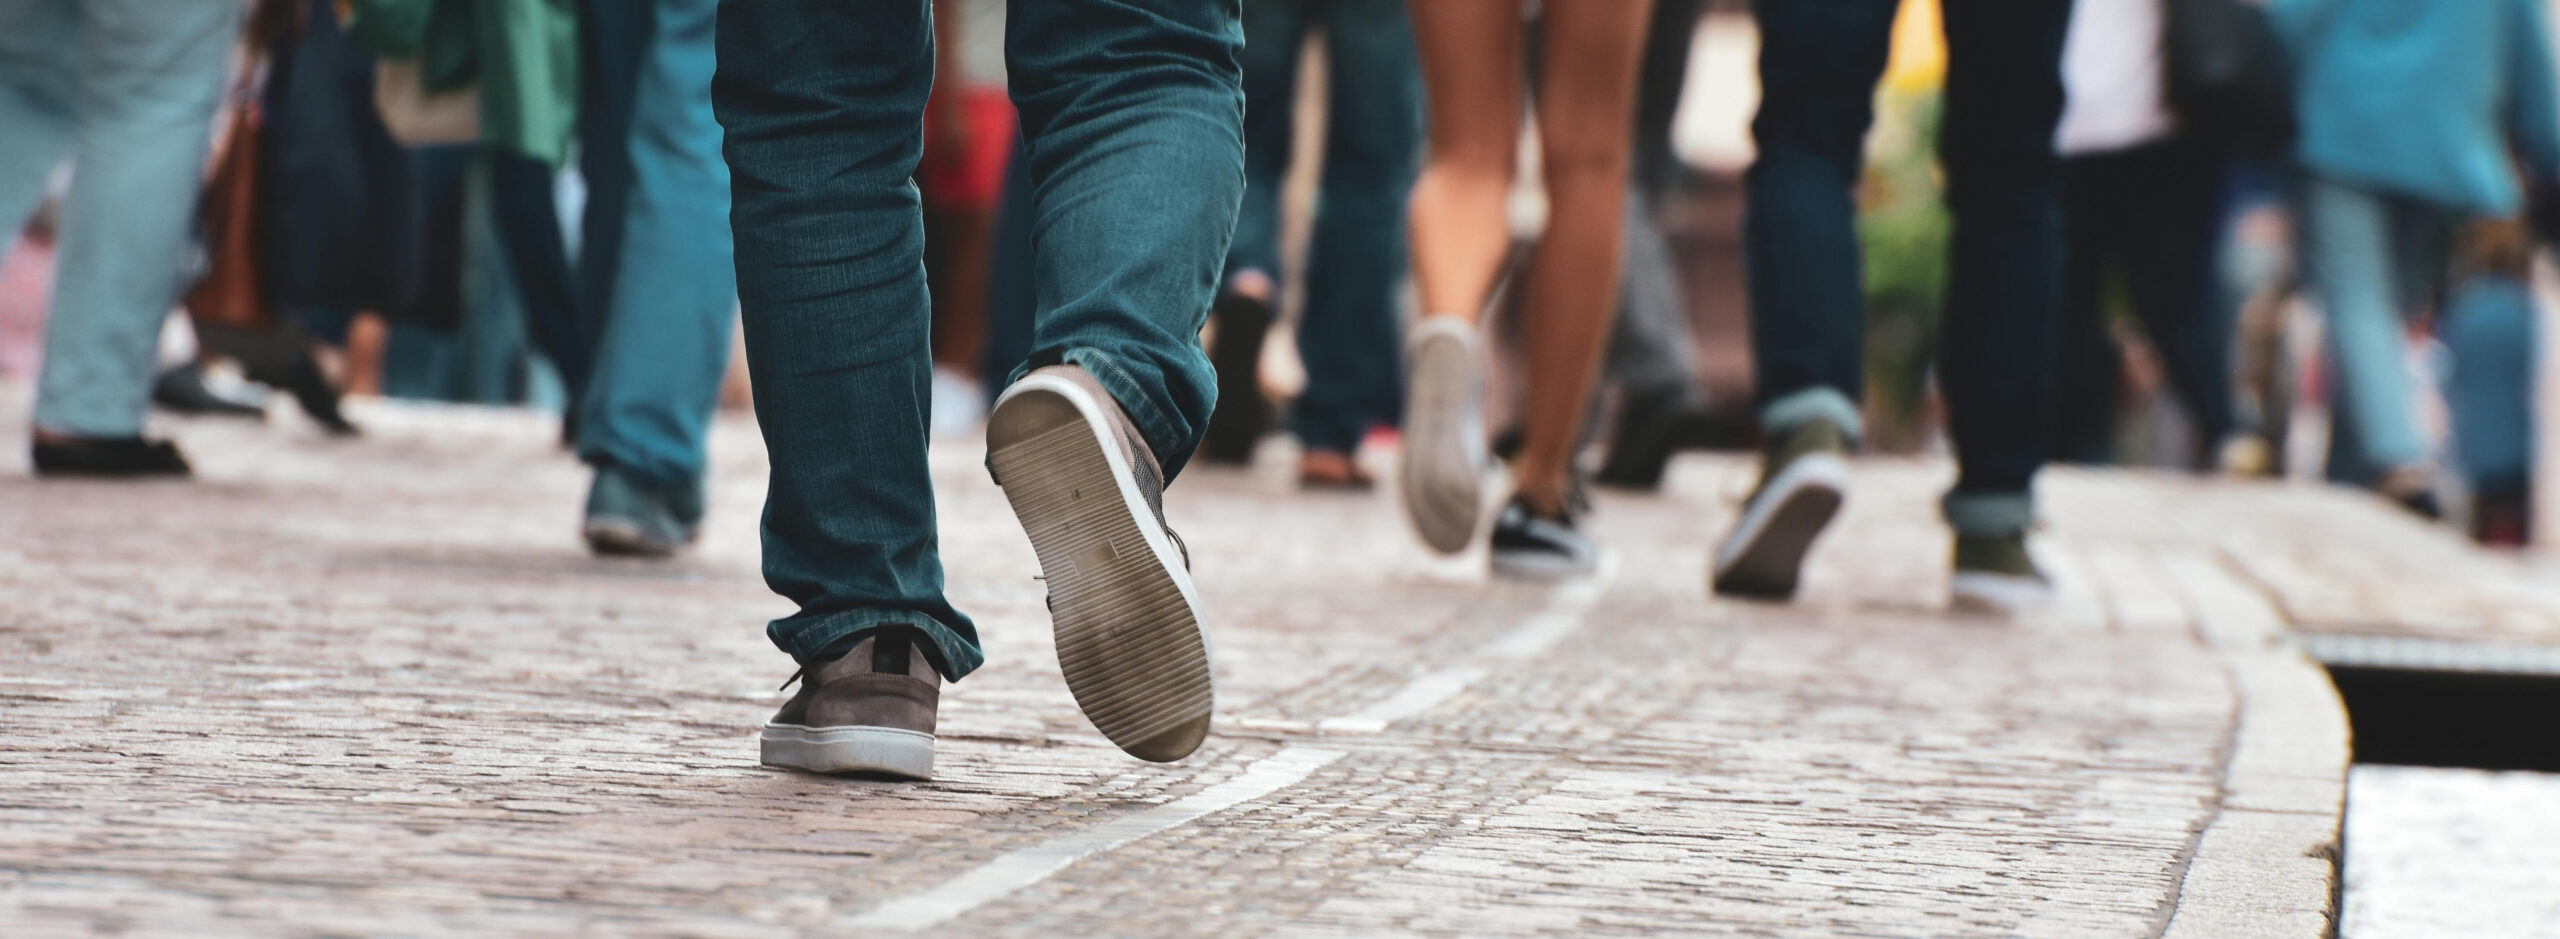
[970, 174]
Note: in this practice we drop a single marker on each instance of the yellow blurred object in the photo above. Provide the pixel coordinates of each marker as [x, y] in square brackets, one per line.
[1919, 59]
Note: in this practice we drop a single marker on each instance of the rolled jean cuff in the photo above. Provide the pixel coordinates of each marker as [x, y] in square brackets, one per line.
[1812, 404]
[806, 636]
[1993, 514]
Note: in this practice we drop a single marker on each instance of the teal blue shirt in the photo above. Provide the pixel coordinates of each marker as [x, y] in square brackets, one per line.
[2434, 99]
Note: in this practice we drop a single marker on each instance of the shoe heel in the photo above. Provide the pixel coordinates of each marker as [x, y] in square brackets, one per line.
[1127, 626]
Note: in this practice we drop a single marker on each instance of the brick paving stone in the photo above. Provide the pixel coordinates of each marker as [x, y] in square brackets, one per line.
[376, 687]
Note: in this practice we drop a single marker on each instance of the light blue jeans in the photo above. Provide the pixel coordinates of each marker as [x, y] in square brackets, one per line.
[126, 88]
[2370, 256]
[655, 256]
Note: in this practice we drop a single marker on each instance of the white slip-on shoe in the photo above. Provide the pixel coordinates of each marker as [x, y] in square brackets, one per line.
[1442, 476]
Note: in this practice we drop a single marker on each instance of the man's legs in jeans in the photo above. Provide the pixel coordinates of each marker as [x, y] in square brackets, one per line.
[2004, 95]
[1136, 170]
[1347, 332]
[823, 102]
[1819, 63]
[662, 275]
[132, 85]
[1132, 113]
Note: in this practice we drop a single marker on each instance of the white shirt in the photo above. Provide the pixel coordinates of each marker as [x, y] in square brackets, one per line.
[2112, 73]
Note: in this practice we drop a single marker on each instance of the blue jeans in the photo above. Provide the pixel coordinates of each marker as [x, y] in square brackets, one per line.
[127, 89]
[1372, 145]
[1131, 113]
[1819, 62]
[2492, 329]
[654, 258]
[2368, 256]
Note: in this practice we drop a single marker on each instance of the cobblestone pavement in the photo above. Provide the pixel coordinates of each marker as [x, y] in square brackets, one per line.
[376, 687]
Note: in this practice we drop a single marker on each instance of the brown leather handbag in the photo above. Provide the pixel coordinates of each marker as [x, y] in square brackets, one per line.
[231, 292]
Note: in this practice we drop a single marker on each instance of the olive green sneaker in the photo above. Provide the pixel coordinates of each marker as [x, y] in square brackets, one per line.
[1804, 477]
[1995, 575]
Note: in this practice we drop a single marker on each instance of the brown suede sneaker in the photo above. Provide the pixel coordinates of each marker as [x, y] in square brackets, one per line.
[870, 711]
[1090, 495]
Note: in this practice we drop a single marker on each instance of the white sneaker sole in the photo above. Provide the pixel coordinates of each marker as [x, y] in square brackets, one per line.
[1983, 593]
[1442, 476]
[1127, 619]
[1539, 566]
[882, 751]
[1764, 556]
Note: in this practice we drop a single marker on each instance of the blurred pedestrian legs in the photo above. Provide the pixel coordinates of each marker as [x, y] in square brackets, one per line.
[2414, 117]
[2492, 327]
[1819, 63]
[1474, 58]
[1356, 257]
[655, 260]
[2142, 198]
[126, 89]
[1652, 358]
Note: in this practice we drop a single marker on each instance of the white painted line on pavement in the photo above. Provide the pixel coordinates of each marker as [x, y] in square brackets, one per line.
[1566, 606]
[1013, 871]
[1421, 694]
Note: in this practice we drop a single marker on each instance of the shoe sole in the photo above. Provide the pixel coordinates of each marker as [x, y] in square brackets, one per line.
[613, 537]
[1764, 557]
[1983, 593]
[878, 751]
[1127, 619]
[1537, 566]
[1442, 475]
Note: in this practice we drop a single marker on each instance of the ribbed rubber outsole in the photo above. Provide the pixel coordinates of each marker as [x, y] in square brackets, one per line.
[877, 751]
[1127, 621]
[1764, 556]
[1442, 474]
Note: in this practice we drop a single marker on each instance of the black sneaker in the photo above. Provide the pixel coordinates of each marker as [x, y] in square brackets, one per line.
[1650, 428]
[1804, 477]
[182, 390]
[1242, 415]
[1995, 575]
[107, 457]
[1529, 546]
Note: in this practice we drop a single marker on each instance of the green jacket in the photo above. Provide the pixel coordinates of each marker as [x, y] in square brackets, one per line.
[523, 54]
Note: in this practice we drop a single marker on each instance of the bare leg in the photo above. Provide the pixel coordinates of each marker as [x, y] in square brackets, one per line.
[1472, 73]
[1585, 116]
